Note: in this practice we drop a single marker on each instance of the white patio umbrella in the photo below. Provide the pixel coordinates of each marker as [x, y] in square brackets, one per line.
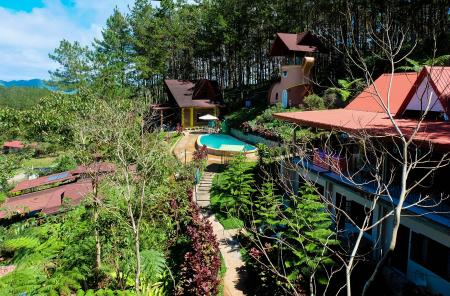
[208, 117]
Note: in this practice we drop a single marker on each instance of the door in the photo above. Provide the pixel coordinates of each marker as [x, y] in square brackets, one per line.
[284, 99]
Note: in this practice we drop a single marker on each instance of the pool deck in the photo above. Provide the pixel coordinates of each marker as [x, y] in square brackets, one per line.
[185, 147]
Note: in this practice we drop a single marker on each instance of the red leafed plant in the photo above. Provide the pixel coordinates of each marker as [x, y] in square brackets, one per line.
[200, 269]
[200, 154]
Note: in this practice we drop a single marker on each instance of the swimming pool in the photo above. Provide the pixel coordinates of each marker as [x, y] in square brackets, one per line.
[221, 144]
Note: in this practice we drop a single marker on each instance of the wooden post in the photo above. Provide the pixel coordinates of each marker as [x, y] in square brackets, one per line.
[182, 117]
[161, 119]
[192, 117]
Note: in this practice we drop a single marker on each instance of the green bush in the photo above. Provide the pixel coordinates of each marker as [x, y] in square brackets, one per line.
[65, 163]
[314, 102]
[232, 189]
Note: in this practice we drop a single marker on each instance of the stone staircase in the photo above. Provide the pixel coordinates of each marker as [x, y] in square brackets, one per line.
[203, 188]
[235, 275]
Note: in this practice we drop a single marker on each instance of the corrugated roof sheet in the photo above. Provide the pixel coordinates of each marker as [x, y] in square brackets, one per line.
[374, 123]
[365, 114]
[48, 201]
[46, 180]
[13, 144]
[370, 100]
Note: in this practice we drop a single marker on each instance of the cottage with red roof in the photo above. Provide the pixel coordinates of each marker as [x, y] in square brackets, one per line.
[422, 254]
[294, 83]
[188, 100]
[12, 146]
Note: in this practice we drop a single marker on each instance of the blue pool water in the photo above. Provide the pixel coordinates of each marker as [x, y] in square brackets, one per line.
[225, 143]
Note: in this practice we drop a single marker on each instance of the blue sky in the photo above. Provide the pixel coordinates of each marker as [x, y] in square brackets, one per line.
[31, 29]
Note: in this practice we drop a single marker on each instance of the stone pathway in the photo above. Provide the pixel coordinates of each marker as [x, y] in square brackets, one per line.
[229, 247]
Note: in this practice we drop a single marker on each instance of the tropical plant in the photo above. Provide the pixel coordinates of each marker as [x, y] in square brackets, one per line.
[345, 88]
[416, 66]
[234, 187]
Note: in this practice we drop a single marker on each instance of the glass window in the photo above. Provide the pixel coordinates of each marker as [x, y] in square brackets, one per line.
[431, 255]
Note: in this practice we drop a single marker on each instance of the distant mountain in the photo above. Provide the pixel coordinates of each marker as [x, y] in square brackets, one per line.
[36, 83]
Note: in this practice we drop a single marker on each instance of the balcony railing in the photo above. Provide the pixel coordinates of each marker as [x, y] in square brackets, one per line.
[436, 207]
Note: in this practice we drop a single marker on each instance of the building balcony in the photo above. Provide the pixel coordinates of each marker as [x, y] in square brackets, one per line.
[435, 208]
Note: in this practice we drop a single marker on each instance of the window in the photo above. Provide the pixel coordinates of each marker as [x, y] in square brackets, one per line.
[431, 255]
[285, 74]
[358, 213]
[340, 217]
[320, 189]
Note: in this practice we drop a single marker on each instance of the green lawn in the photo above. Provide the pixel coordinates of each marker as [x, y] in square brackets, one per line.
[227, 222]
[222, 271]
[38, 162]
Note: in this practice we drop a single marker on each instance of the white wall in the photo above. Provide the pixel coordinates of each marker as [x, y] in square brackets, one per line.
[425, 94]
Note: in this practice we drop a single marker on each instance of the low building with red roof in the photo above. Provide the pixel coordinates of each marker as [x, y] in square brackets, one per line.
[12, 146]
[48, 201]
[422, 254]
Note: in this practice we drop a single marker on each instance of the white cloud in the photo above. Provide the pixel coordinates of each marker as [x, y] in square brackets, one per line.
[26, 38]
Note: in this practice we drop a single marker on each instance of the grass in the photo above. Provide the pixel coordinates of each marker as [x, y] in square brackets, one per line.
[38, 162]
[231, 223]
[228, 222]
[222, 271]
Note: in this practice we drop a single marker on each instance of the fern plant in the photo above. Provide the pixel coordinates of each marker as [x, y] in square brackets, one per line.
[234, 188]
[344, 91]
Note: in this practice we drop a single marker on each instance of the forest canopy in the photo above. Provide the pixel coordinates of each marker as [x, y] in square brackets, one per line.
[21, 97]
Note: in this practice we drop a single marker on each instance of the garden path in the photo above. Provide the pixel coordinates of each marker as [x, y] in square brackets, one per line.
[229, 247]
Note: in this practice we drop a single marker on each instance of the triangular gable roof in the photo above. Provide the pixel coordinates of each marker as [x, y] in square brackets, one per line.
[183, 93]
[369, 99]
[286, 43]
[439, 80]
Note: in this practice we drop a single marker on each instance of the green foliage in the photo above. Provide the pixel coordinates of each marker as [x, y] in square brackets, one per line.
[266, 208]
[65, 162]
[308, 226]
[153, 265]
[295, 233]
[345, 88]
[416, 66]
[75, 67]
[21, 98]
[234, 188]
[48, 260]
[314, 102]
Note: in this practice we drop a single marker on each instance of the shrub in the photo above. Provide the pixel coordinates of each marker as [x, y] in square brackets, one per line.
[314, 102]
[65, 163]
[234, 187]
[200, 269]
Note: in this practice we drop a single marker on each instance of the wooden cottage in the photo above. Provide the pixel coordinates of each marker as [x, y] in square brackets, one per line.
[188, 100]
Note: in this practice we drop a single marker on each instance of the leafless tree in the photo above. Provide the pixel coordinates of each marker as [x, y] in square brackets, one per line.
[399, 143]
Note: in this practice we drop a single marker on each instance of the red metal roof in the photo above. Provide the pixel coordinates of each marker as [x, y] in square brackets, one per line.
[46, 180]
[301, 42]
[374, 123]
[48, 201]
[371, 98]
[95, 168]
[13, 144]
[183, 91]
[365, 115]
